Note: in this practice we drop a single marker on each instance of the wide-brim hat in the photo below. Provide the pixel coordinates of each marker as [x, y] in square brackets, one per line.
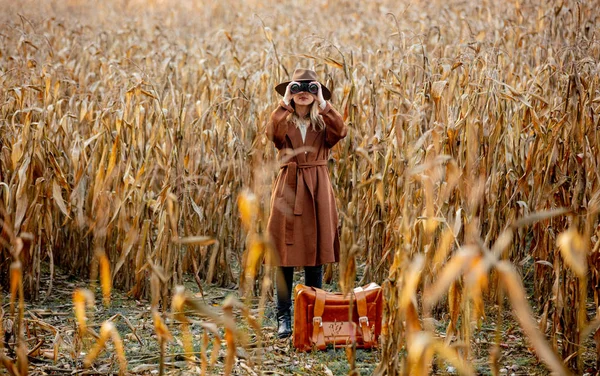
[303, 75]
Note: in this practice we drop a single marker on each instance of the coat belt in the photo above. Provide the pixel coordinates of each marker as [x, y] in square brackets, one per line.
[294, 195]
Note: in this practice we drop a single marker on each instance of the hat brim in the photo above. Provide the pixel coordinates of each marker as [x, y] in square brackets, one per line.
[282, 86]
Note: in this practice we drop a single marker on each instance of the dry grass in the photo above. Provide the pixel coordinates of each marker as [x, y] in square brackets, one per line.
[129, 130]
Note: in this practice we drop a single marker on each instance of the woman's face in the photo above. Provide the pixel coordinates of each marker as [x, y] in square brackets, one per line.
[303, 98]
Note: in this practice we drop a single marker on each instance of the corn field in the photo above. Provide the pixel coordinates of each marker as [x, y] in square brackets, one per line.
[133, 151]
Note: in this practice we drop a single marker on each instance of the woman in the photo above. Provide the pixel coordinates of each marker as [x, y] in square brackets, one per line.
[303, 221]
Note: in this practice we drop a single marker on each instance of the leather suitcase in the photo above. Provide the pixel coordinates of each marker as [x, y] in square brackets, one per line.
[324, 318]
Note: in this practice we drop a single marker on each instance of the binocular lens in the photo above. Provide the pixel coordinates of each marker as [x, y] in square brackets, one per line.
[304, 86]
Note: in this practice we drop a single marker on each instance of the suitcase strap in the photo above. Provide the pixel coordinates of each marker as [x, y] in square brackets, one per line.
[363, 318]
[318, 335]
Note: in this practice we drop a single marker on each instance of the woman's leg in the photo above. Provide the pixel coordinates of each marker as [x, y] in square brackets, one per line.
[313, 276]
[284, 289]
[285, 281]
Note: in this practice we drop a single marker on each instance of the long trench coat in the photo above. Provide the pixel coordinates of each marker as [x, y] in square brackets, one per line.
[303, 221]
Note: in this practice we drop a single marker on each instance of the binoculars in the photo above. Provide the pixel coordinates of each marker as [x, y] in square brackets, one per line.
[309, 87]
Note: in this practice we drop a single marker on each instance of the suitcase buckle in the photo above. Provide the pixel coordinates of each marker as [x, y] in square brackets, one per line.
[363, 320]
[318, 321]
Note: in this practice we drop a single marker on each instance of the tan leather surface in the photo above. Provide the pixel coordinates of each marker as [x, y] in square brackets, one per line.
[324, 318]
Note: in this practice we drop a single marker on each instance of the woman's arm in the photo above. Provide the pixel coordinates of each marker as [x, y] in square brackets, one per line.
[277, 127]
[335, 129]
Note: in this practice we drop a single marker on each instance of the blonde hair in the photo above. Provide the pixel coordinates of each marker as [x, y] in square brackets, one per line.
[316, 120]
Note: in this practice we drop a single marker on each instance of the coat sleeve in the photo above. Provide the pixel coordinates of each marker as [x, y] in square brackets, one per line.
[277, 126]
[335, 129]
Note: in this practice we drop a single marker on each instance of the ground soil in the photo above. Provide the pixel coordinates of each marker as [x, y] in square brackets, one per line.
[271, 357]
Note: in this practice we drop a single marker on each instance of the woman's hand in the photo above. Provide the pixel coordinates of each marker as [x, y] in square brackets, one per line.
[320, 99]
[287, 97]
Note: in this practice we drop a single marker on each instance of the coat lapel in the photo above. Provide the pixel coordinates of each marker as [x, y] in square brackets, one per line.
[311, 136]
[296, 140]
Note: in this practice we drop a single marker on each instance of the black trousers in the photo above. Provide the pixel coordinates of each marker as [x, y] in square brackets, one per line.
[313, 277]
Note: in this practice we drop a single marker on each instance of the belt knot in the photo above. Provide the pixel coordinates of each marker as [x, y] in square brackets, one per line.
[294, 173]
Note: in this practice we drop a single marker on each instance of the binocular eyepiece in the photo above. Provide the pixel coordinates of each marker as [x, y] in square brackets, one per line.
[309, 87]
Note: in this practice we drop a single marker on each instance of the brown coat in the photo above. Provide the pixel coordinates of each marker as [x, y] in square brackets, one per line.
[303, 221]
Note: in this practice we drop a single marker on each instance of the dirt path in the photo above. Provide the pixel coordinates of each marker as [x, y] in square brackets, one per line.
[51, 325]
[133, 321]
